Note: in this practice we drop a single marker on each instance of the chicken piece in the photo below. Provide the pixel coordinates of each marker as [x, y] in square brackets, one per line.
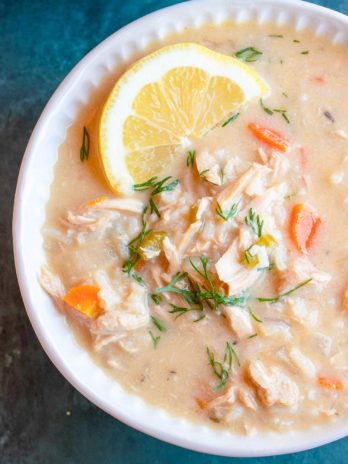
[131, 205]
[109, 298]
[247, 397]
[51, 283]
[277, 328]
[172, 255]
[233, 273]
[345, 300]
[273, 386]
[130, 314]
[301, 313]
[324, 342]
[299, 270]
[223, 405]
[251, 182]
[208, 167]
[240, 321]
[188, 236]
[301, 361]
[80, 219]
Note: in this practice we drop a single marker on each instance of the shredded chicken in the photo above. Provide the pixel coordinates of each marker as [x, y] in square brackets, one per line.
[240, 321]
[51, 283]
[299, 270]
[273, 386]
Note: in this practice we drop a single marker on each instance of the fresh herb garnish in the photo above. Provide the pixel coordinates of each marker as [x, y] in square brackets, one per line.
[252, 336]
[156, 299]
[154, 339]
[289, 292]
[257, 226]
[157, 187]
[230, 119]
[265, 109]
[285, 95]
[196, 294]
[305, 52]
[222, 176]
[191, 155]
[226, 216]
[296, 41]
[290, 196]
[283, 114]
[222, 368]
[249, 54]
[181, 310]
[275, 110]
[160, 326]
[134, 245]
[84, 150]
[253, 315]
[138, 278]
[202, 173]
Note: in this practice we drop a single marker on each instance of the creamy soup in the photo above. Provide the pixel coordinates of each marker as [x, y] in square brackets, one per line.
[229, 307]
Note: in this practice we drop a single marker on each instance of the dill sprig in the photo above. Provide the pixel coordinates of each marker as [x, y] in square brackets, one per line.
[222, 368]
[155, 339]
[285, 294]
[179, 311]
[84, 150]
[195, 294]
[249, 54]
[226, 216]
[230, 119]
[157, 187]
[265, 109]
[255, 226]
[134, 245]
[191, 156]
[253, 315]
[160, 326]
[283, 114]
[156, 299]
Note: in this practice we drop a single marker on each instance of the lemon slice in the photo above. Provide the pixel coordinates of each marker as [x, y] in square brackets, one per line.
[165, 101]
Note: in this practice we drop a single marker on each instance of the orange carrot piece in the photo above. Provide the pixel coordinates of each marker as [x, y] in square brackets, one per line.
[201, 403]
[330, 383]
[84, 299]
[94, 202]
[269, 136]
[303, 227]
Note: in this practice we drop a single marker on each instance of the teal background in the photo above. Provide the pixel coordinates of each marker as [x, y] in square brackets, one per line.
[40, 41]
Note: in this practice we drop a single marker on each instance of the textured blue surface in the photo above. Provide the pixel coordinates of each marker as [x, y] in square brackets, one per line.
[40, 42]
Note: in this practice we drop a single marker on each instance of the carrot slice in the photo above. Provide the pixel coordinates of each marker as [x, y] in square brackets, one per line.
[332, 384]
[84, 299]
[94, 202]
[303, 227]
[269, 136]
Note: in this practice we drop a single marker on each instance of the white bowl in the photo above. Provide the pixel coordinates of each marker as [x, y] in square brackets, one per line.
[32, 193]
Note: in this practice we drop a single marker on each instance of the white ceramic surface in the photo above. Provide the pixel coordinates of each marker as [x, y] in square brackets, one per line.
[32, 194]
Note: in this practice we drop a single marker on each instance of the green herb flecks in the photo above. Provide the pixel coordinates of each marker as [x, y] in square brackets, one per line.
[296, 41]
[222, 368]
[253, 315]
[138, 278]
[283, 114]
[179, 311]
[191, 156]
[252, 336]
[305, 52]
[276, 36]
[160, 326]
[254, 222]
[249, 54]
[283, 295]
[156, 299]
[222, 176]
[134, 245]
[230, 119]
[157, 187]
[285, 95]
[229, 214]
[202, 173]
[265, 109]
[84, 150]
[155, 339]
[196, 294]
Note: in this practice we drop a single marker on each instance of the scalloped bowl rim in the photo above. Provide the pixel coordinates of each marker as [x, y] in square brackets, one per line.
[70, 358]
